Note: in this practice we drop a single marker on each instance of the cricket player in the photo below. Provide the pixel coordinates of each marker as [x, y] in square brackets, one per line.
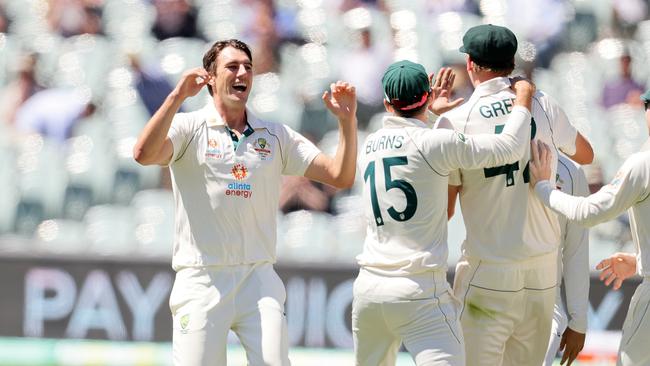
[401, 293]
[629, 190]
[507, 275]
[226, 165]
[570, 319]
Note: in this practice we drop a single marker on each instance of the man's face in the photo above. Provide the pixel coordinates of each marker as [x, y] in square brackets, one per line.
[234, 76]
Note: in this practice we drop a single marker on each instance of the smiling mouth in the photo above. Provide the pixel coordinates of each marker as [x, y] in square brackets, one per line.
[240, 87]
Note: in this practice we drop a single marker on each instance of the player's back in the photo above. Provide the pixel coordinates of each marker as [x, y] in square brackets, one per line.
[504, 221]
[405, 198]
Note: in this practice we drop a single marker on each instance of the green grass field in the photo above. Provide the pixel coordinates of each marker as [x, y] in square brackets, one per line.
[56, 352]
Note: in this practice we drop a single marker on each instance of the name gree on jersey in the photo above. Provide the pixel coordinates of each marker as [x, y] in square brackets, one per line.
[384, 143]
[496, 109]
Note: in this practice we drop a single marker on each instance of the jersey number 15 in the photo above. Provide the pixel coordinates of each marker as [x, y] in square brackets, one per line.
[390, 183]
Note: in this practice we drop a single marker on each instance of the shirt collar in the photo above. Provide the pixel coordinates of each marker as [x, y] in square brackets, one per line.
[492, 86]
[397, 122]
[213, 118]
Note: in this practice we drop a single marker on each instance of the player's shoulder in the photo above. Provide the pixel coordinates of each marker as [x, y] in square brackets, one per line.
[639, 161]
[566, 163]
[277, 129]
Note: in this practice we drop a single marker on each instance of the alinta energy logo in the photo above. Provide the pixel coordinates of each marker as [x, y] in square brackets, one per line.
[213, 151]
[239, 189]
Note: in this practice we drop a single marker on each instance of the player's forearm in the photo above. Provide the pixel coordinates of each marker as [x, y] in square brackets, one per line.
[511, 144]
[152, 137]
[343, 166]
[576, 282]
[586, 211]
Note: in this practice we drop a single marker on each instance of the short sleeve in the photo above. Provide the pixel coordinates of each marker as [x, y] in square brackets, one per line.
[180, 133]
[564, 133]
[298, 152]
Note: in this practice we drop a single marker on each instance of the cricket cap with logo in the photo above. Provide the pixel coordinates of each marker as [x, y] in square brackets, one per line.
[406, 85]
[490, 45]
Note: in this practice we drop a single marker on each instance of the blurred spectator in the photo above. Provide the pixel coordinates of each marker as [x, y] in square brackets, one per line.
[4, 20]
[152, 85]
[541, 23]
[623, 89]
[53, 113]
[14, 94]
[174, 18]
[75, 17]
[362, 68]
[259, 31]
[627, 14]
[299, 193]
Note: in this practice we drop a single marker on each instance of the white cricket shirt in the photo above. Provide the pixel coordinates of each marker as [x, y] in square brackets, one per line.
[629, 189]
[227, 199]
[405, 166]
[504, 221]
[573, 258]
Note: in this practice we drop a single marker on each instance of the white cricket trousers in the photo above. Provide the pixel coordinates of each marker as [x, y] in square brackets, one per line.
[507, 309]
[207, 302]
[418, 310]
[560, 323]
[635, 342]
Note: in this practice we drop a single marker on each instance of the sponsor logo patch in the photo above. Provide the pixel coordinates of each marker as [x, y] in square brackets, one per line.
[214, 150]
[239, 171]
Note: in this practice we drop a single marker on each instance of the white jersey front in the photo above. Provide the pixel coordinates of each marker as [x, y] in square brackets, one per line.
[573, 258]
[405, 166]
[630, 189]
[226, 195]
[503, 220]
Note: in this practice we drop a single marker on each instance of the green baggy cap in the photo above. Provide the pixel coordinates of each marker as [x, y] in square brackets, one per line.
[490, 45]
[406, 85]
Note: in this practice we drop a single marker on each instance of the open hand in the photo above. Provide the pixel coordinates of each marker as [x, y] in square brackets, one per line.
[441, 91]
[617, 268]
[341, 100]
[540, 164]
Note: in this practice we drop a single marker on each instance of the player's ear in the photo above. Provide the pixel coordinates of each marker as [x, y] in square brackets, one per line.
[388, 107]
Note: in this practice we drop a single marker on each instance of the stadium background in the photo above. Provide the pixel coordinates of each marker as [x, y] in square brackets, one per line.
[85, 233]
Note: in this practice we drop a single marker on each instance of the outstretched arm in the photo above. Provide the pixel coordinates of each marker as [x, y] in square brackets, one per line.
[612, 200]
[339, 171]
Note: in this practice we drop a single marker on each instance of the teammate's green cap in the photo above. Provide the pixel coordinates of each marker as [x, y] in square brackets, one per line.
[406, 85]
[490, 45]
[646, 96]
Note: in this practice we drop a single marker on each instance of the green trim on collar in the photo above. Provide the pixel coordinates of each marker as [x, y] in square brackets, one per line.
[235, 140]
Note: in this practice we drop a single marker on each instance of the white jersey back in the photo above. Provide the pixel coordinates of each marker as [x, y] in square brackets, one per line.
[504, 221]
[405, 166]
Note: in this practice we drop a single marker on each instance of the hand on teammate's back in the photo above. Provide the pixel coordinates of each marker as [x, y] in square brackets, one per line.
[192, 81]
[341, 100]
[441, 91]
[540, 164]
[617, 268]
[524, 90]
[572, 343]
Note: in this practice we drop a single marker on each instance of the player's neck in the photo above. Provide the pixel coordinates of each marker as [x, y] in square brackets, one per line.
[233, 116]
[479, 78]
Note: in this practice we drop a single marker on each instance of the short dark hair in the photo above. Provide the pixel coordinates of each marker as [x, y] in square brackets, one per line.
[504, 69]
[210, 57]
